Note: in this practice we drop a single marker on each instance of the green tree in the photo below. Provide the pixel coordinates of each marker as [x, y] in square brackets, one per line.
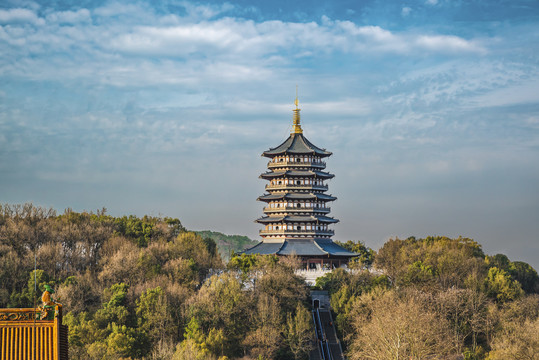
[122, 342]
[366, 254]
[29, 297]
[499, 285]
[221, 304]
[115, 308]
[153, 317]
[525, 275]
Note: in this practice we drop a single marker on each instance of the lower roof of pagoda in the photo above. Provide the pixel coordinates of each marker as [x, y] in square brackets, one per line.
[300, 247]
[296, 196]
[297, 173]
[296, 219]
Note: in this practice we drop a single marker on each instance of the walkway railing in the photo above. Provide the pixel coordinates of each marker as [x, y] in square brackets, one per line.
[321, 164]
[295, 208]
[296, 187]
[297, 232]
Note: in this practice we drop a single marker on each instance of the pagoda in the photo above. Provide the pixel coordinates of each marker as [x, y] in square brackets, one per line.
[296, 214]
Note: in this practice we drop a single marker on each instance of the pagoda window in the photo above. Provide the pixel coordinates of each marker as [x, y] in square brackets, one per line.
[276, 228]
[280, 182]
[298, 182]
[298, 227]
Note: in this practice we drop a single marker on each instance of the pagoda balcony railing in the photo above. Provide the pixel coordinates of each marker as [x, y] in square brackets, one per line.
[296, 187]
[297, 209]
[297, 232]
[318, 164]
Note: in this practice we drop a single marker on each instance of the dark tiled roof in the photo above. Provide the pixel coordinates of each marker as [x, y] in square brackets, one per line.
[297, 196]
[332, 248]
[301, 247]
[297, 218]
[264, 248]
[296, 144]
[300, 173]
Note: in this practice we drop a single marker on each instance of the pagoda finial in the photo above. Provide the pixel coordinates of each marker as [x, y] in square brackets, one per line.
[296, 127]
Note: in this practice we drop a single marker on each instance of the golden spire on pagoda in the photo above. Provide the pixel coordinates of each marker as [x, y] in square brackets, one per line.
[296, 127]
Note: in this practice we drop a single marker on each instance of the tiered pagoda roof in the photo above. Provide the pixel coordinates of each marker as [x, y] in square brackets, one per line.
[296, 144]
[296, 216]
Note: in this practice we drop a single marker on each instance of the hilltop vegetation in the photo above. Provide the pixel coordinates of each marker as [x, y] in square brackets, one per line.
[147, 288]
[439, 298]
[227, 244]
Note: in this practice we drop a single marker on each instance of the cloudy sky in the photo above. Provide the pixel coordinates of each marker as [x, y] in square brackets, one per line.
[431, 109]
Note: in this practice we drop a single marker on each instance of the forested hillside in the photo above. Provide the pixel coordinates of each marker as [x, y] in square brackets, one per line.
[147, 288]
[439, 298]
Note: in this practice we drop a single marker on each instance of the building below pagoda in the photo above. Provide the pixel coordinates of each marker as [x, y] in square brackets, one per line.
[296, 214]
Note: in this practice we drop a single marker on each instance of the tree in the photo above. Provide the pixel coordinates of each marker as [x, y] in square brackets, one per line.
[264, 338]
[115, 308]
[392, 328]
[366, 254]
[525, 275]
[517, 341]
[221, 304]
[280, 282]
[499, 285]
[466, 312]
[299, 332]
[153, 317]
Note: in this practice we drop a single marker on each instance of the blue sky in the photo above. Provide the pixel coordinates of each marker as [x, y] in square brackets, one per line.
[431, 109]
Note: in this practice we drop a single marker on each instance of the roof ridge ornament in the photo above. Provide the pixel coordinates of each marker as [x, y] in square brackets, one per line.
[296, 126]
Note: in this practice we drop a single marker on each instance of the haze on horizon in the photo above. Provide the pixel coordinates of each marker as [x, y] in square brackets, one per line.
[431, 110]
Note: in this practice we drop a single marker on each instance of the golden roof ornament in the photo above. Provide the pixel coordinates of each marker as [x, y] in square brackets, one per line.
[296, 126]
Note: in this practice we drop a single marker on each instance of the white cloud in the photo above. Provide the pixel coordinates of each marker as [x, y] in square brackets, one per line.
[406, 11]
[206, 11]
[126, 10]
[447, 43]
[19, 15]
[70, 17]
[431, 2]
[522, 92]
